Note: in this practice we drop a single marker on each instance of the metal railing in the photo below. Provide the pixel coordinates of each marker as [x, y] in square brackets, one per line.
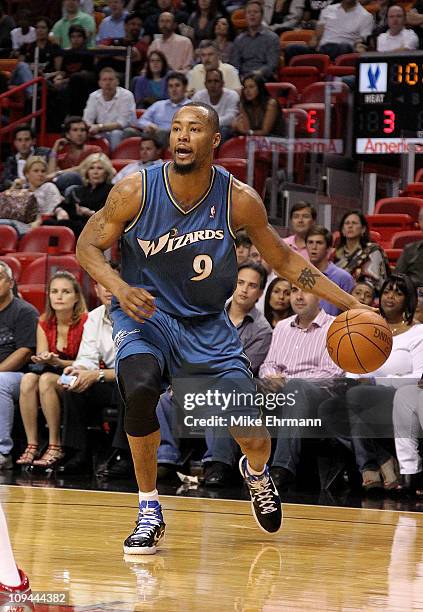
[7, 97]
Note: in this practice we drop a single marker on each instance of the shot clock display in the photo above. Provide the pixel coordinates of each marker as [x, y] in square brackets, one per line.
[388, 106]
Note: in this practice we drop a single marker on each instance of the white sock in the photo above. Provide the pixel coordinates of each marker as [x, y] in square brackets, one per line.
[253, 472]
[9, 574]
[150, 496]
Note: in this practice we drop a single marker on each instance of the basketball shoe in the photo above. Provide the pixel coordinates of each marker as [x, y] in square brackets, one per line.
[16, 599]
[149, 530]
[265, 501]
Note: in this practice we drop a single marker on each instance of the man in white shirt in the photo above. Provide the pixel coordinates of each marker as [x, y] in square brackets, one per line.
[343, 28]
[224, 101]
[149, 155]
[94, 387]
[209, 55]
[397, 38]
[110, 109]
[177, 49]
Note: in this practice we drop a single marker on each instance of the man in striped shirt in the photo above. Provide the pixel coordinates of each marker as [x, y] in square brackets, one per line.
[298, 365]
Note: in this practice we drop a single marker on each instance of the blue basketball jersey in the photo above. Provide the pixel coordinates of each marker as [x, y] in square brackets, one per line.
[186, 260]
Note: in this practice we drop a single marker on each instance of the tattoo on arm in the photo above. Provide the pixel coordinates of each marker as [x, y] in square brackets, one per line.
[307, 279]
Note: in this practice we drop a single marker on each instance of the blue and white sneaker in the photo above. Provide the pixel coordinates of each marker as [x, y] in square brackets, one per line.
[149, 530]
[265, 501]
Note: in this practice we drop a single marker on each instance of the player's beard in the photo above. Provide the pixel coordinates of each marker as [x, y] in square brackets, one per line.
[184, 168]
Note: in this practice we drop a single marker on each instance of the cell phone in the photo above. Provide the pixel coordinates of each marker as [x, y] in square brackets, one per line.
[67, 379]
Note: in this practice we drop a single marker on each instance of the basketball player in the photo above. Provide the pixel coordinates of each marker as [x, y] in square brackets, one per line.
[13, 581]
[177, 223]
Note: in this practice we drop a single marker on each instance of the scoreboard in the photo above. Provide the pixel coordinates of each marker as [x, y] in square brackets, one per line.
[388, 104]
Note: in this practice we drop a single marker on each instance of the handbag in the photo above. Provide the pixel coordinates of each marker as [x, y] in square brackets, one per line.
[18, 205]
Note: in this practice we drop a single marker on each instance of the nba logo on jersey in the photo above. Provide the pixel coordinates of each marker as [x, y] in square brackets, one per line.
[212, 212]
[373, 77]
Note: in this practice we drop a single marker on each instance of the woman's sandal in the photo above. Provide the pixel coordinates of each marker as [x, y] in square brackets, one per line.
[28, 456]
[372, 480]
[51, 458]
[390, 474]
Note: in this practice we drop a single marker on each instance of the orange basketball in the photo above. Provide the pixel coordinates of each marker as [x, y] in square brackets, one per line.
[359, 341]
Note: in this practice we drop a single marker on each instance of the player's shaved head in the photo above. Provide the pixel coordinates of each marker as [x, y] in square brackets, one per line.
[212, 116]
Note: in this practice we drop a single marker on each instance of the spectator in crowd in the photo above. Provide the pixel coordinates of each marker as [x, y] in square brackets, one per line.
[302, 217]
[83, 201]
[369, 404]
[76, 78]
[7, 24]
[364, 291]
[149, 155]
[224, 101]
[296, 360]
[415, 19]
[411, 259]
[202, 21]
[287, 15]
[50, 57]
[312, 11]
[69, 152]
[48, 197]
[256, 50]
[151, 86]
[131, 38]
[319, 247]
[110, 109]
[73, 16]
[59, 333]
[408, 419]
[260, 114]
[356, 254]
[152, 16]
[112, 26]
[18, 323]
[342, 28]
[177, 49]
[209, 56]
[242, 246]
[398, 37]
[25, 146]
[95, 385]
[277, 304]
[24, 33]
[223, 38]
[157, 119]
[255, 335]
[380, 22]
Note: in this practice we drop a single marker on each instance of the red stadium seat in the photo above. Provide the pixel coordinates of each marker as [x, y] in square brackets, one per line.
[128, 149]
[400, 239]
[295, 37]
[118, 164]
[413, 190]
[8, 239]
[238, 167]
[318, 60]
[102, 143]
[340, 71]
[34, 294]
[234, 147]
[42, 239]
[313, 98]
[40, 270]
[14, 265]
[300, 76]
[407, 206]
[285, 93]
[347, 59]
[26, 258]
[388, 224]
[393, 255]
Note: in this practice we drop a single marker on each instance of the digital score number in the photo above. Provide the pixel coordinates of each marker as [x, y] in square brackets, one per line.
[388, 103]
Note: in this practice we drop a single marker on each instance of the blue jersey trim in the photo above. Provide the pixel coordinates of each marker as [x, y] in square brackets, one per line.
[143, 201]
[173, 199]
[229, 207]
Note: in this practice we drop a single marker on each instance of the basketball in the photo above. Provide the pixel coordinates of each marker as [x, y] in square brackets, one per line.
[359, 341]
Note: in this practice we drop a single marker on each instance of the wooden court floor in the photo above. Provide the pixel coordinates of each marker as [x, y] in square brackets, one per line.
[214, 557]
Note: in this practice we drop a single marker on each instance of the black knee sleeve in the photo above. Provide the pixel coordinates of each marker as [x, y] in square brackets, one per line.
[140, 382]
